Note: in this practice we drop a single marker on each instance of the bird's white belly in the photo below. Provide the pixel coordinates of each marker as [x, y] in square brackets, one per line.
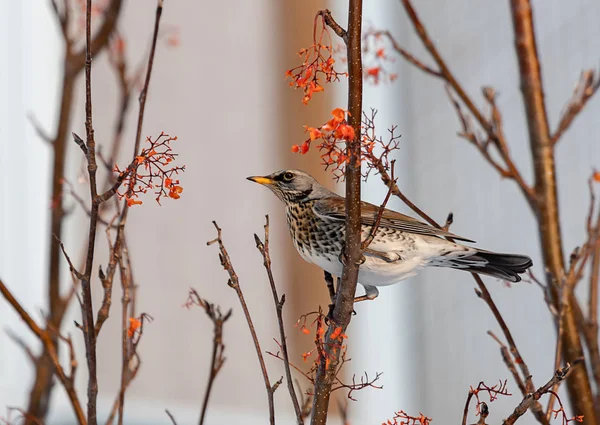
[374, 271]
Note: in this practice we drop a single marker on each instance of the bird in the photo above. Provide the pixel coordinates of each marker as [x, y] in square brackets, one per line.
[401, 245]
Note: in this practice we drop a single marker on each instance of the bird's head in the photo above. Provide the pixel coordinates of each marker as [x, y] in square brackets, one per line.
[292, 185]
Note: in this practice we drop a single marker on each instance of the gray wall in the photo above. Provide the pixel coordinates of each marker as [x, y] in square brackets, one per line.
[441, 323]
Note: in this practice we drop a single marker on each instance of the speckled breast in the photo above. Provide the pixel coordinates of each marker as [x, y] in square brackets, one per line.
[313, 236]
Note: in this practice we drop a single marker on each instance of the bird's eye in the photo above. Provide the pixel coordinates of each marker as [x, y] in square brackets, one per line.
[288, 176]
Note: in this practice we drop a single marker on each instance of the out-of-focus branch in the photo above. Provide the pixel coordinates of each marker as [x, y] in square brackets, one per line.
[100, 40]
[263, 247]
[218, 319]
[588, 85]
[171, 417]
[491, 127]
[408, 56]
[73, 64]
[234, 283]
[542, 197]
[351, 255]
[588, 326]
[126, 345]
[48, 340]
[547, 211]
[481, 291]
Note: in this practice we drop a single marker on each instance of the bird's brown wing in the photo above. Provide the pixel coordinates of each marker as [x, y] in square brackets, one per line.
[334, 208]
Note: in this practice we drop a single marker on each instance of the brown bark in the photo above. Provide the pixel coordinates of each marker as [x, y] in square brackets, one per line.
[546, 199]
[344, 302]
[39, 396]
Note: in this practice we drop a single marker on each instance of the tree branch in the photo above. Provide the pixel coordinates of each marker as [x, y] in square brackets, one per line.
[218, 319]
[530, 398]
[547, 211]
[264, 250]
[351, 255]
[492, 128]
[588, 85]
[50, 347]
[234, 283]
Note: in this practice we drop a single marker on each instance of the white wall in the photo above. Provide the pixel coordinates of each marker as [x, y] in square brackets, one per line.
[28, 84]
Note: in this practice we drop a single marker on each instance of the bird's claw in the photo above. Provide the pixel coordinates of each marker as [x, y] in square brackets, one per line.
[344, 260]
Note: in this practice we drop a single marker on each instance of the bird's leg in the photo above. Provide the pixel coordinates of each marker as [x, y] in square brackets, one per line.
[330, 286]
[371, 292]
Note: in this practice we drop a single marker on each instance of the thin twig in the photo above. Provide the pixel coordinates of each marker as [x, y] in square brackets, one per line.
[171, 417]
[530, 398]
[588, 85]
[331, 23]
[263, 247]
[217, 360]
[234, 283]
[509, 362]
[365, 244]
[493, 133]
[408, 56]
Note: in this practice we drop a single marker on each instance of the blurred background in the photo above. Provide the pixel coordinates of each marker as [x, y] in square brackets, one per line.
[220, 88]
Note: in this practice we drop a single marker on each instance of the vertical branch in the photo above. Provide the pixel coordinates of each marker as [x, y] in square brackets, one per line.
[342, 311]
[73, 64]
[217, 360]
[234, 283]
[87, 305]
[546, 200]
[125, 340]
[264, 250]
[144, 92]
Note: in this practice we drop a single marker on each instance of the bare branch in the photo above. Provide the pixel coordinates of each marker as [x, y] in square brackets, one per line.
[408, 56]
[233, 282]
[79, 141]
[365, 244]
[46, 339]
[331, 23]
[21, 343]
[264, 250]
[588, 85]
[42, 134]
[171, 417]
[218, 319]
[530, 398]
[72, 268]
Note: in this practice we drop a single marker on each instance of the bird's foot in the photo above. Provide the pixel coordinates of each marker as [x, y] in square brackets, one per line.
[371, 292]
[344, 260]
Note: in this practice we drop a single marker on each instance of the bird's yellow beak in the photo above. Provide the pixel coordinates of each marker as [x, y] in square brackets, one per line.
[261, 180]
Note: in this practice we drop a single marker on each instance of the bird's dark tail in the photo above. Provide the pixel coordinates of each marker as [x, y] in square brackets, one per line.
[501, 266]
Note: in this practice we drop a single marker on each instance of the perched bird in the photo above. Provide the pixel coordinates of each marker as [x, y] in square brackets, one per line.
[401, 245]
